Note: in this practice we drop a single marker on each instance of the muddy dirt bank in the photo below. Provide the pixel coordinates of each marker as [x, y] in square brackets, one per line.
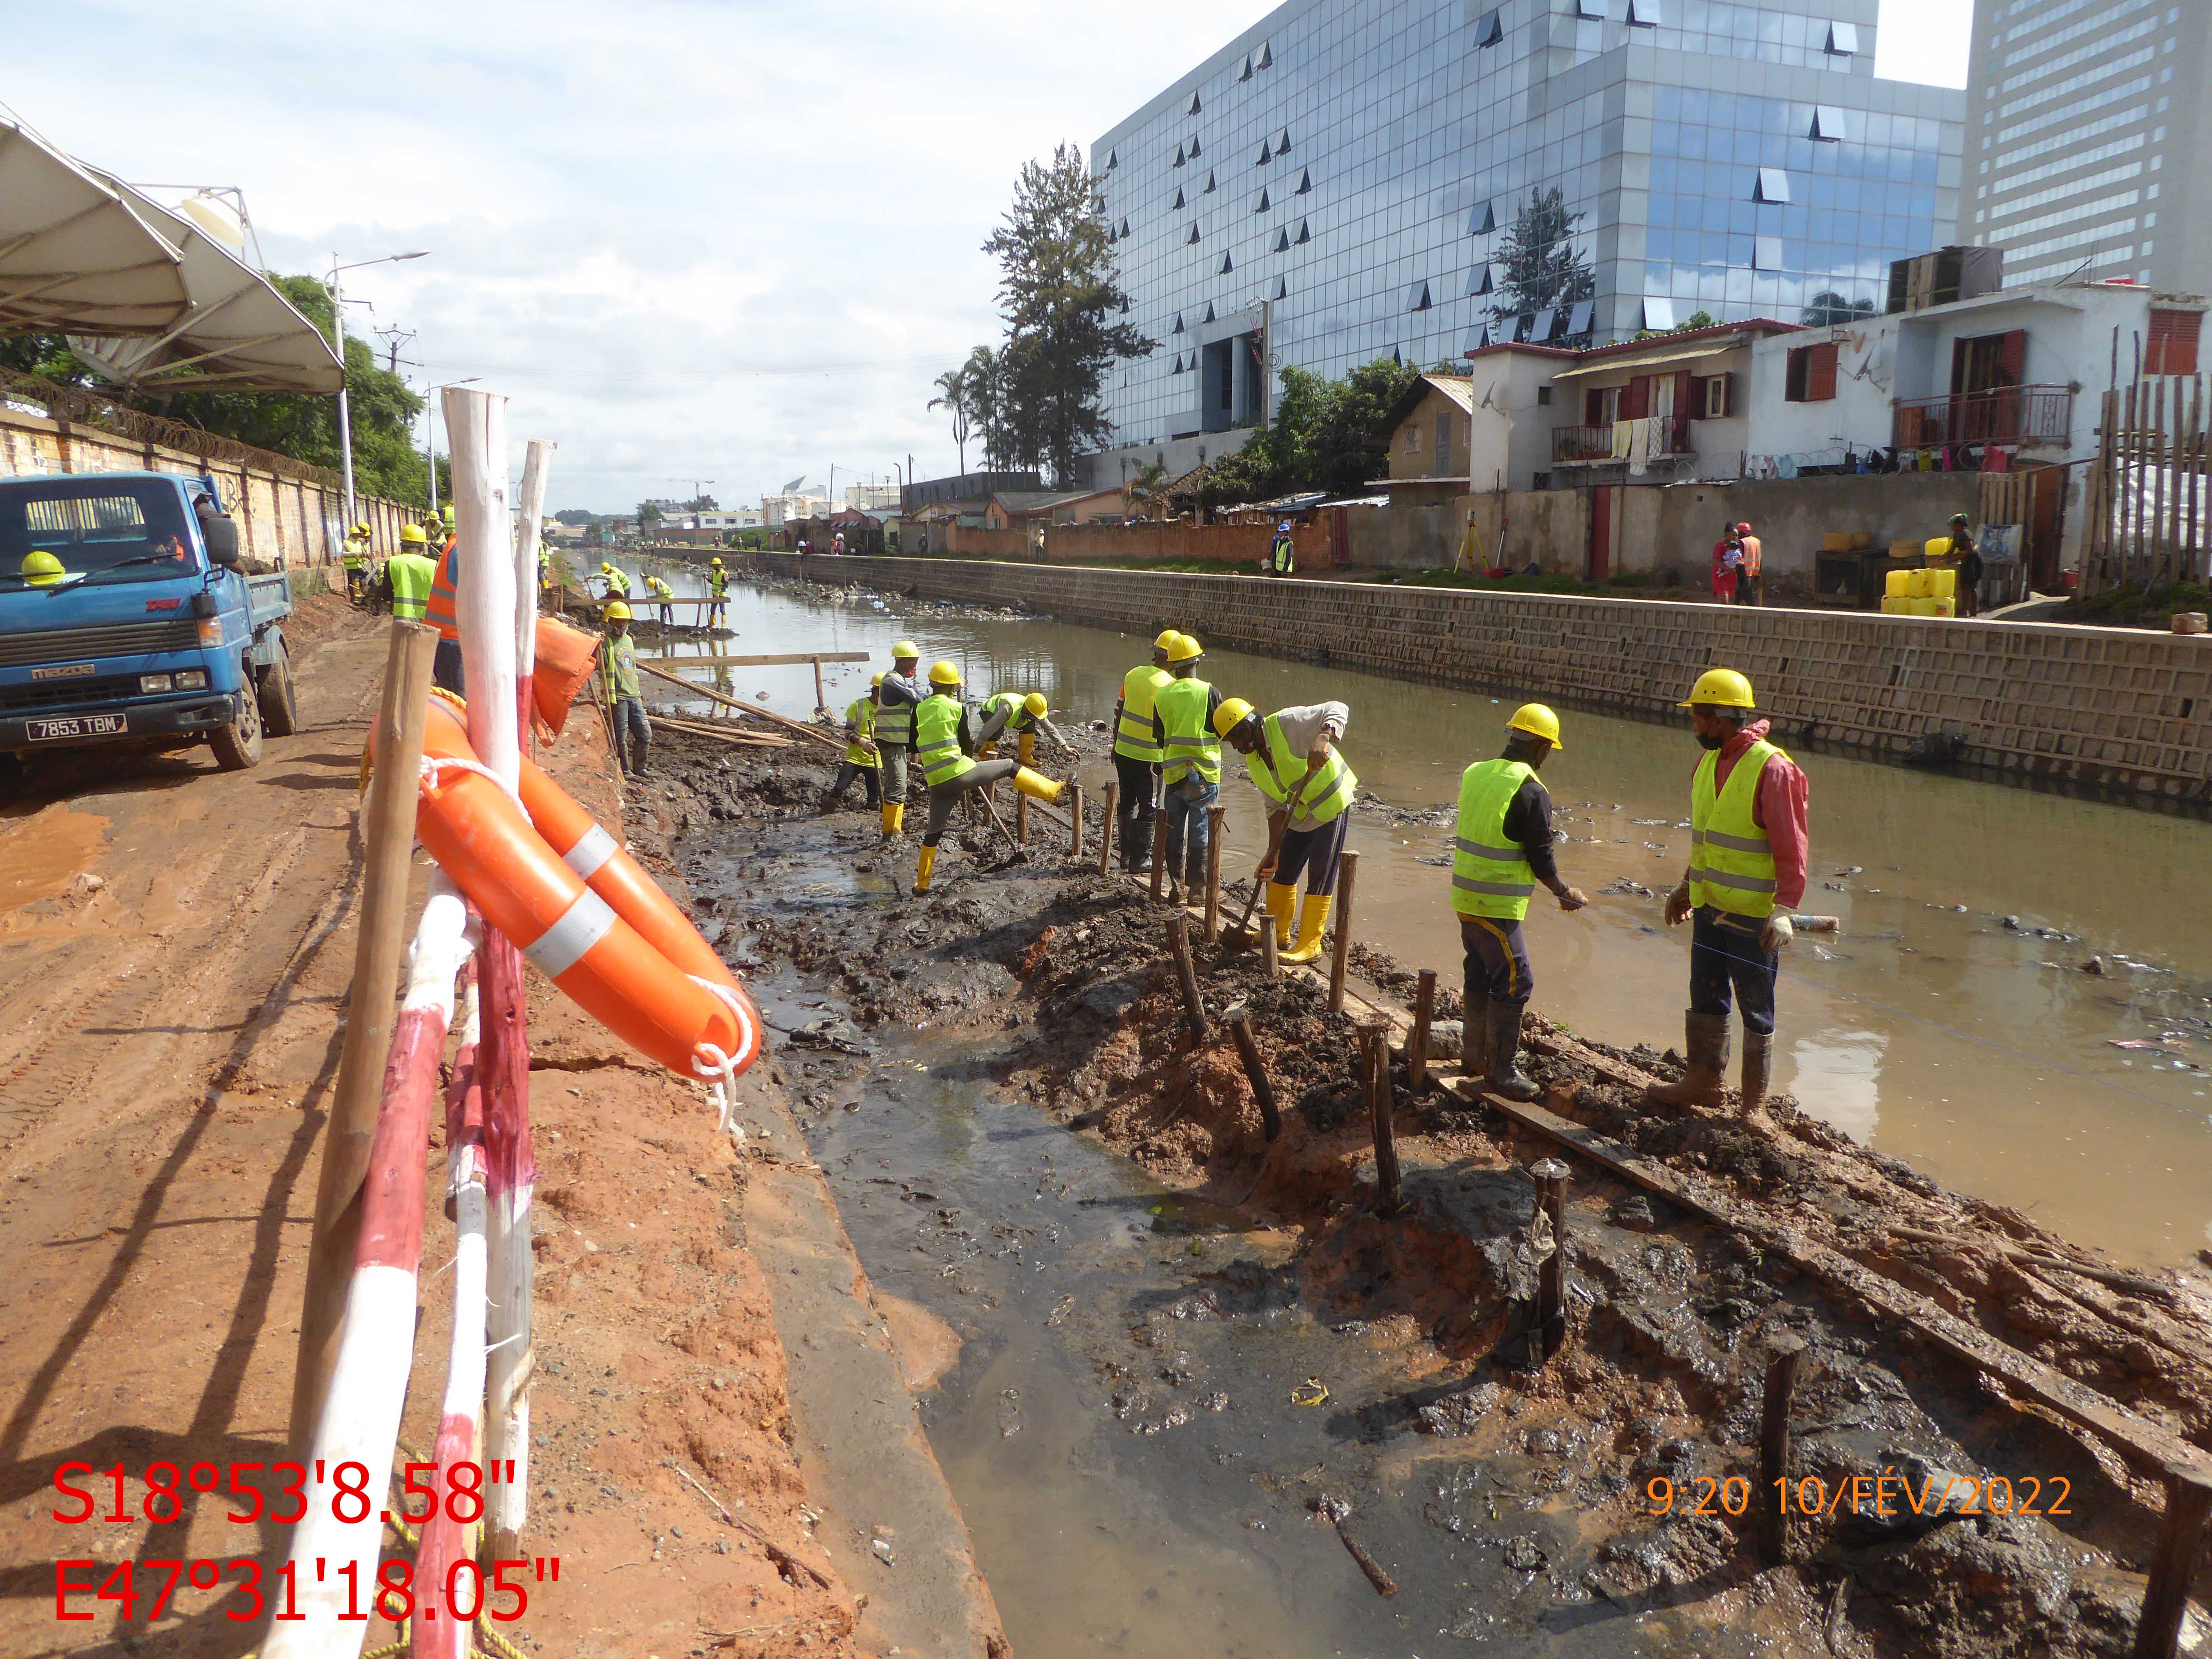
[1616, 1482]
[175, 949]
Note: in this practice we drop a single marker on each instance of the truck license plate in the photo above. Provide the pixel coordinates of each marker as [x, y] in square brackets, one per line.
[82, 725]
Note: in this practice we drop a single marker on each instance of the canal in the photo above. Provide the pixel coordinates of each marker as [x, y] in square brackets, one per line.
[1997, 944]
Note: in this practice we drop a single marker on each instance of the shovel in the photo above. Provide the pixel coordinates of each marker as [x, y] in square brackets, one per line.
[1020, 854]
[1241, 936]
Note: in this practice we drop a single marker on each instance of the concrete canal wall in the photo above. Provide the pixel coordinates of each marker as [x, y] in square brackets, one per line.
[2112, 708]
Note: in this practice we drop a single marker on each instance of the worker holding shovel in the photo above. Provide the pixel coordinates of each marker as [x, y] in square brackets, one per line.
[1292, 757]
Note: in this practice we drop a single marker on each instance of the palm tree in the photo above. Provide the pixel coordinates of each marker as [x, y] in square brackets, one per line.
[956, 389]
[1147, 488]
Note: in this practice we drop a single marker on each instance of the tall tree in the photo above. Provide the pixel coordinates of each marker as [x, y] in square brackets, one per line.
[1057, 291]
[953, 396]
[1542, 270]
[1326, 435]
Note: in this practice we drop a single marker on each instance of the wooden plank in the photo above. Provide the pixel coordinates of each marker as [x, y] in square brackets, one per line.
[833, 740]
[785, 660]
[2134, 1436]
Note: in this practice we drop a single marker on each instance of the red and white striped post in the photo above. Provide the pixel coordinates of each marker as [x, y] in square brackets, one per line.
[445, 1540]
[359, 1424]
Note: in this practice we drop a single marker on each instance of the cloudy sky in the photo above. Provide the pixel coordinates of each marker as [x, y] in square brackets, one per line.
[690, 239]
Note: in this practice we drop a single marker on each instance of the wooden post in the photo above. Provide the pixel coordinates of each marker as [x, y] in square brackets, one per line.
[1159, 853]
[1769, 1500]
[1256, 1071]
[1075, 821]
[1179, 945]
[388, 838]
[1021, 819]
[1551, 1332]
[1348, 867]
[1214, 817]
[1271, 958]
[2180, 1542]
[1106, 832]
[1416, 1040]
[821, 698]
[1380, 1107]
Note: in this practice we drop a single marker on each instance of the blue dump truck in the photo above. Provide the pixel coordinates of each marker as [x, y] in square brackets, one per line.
[126, 619]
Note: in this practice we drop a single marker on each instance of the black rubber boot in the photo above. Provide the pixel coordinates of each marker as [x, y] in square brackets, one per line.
[1757, 1058]
[1504, 1077]
[1706, 1037]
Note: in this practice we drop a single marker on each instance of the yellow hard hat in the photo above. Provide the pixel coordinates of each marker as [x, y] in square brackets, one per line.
[606, 568]
[42, 569]
[944, 673]
[1166, 640]
[714, 561]
[1537, 722]
[1185, 648]
[1036, 705]
[874, 680]
[906, 651]
[361, 530]
[1723, 687]
[616, 611]
[1232, 713]
[410, 535]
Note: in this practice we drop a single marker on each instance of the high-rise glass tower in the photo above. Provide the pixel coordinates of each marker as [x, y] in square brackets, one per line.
[2084, 152]
[1342, 181]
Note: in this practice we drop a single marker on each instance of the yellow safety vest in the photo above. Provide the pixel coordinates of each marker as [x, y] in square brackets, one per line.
[1491, 876]
[936, 740]
[1326, 796]
[617, 582]
[1139, 687]
[1191, 744]
[410, 575]
[1731, 859]
[894, 719]
[861, 717]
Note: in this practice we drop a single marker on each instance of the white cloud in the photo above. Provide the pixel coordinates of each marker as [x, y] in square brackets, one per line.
[1924, 41]
[689, 238]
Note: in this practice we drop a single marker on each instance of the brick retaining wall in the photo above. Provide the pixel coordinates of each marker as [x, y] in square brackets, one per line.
[2110, 709]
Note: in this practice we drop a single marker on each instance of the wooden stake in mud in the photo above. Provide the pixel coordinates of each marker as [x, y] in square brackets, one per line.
[1551, 1333]
[1074, 820]
[1255, 1070]
[1106, 832]
[1214, 815]
[1159, 853]
[1774, 1448]
[1347, 866]
[1021, 819]
[1416, 1040]
[821, 697]
[2180, 1542]
[1381, 1107]
[1271, 949]
[388, 833]
[1193, 1009]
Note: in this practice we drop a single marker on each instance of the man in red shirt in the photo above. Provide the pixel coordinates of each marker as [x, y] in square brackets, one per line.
[1749, 845]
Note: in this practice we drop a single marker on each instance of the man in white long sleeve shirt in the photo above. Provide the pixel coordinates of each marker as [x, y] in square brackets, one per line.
[1292, 759]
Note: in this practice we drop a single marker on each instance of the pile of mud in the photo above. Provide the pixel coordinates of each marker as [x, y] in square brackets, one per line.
[1927, 1510]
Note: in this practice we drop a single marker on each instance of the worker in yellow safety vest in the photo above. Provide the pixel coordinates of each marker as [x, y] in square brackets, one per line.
[1190, 761]
[1024, 716]
[617, 580]
[410, 572]
[896, 698]
[1137, 753]
[1292, 756]
[662, 595]
[1501, 849]
[944, 747]
[862, 760]
[718, 589]
[625, 697]
[1749, 844]
[355, 558]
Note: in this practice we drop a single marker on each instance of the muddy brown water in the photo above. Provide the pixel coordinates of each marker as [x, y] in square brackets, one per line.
[1928, 1028]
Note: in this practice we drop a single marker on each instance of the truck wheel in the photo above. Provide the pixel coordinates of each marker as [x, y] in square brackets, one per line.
[279, 698]
[238, 745]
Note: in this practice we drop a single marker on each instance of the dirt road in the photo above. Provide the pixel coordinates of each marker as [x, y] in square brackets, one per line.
[175, 947]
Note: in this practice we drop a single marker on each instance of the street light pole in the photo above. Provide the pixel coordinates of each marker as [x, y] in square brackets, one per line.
[430, 434]
[345, 413]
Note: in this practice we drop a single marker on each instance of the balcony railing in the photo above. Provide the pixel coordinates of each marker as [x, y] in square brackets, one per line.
[1594, 443]
[2008, 415]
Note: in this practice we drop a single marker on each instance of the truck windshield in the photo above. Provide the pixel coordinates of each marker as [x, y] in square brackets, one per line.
[56, 531]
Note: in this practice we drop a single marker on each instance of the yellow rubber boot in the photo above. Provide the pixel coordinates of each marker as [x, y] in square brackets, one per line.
[1280, 901]
[1313, 919]
[892, 816]
[925, 870]
[1036, 786]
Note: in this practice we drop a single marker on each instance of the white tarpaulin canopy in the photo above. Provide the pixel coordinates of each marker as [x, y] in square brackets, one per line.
[239, 335]
[74, 256]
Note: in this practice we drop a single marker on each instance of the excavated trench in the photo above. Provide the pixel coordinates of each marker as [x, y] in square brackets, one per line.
[1206, 1399]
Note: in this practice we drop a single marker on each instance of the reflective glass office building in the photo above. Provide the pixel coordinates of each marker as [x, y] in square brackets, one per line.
[1337, 184]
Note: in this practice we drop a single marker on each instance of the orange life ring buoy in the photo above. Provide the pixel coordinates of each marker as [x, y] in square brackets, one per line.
[593, 922]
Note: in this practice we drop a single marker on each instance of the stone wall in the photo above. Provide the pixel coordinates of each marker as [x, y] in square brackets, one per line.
[2113, 708]
[289, 514]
